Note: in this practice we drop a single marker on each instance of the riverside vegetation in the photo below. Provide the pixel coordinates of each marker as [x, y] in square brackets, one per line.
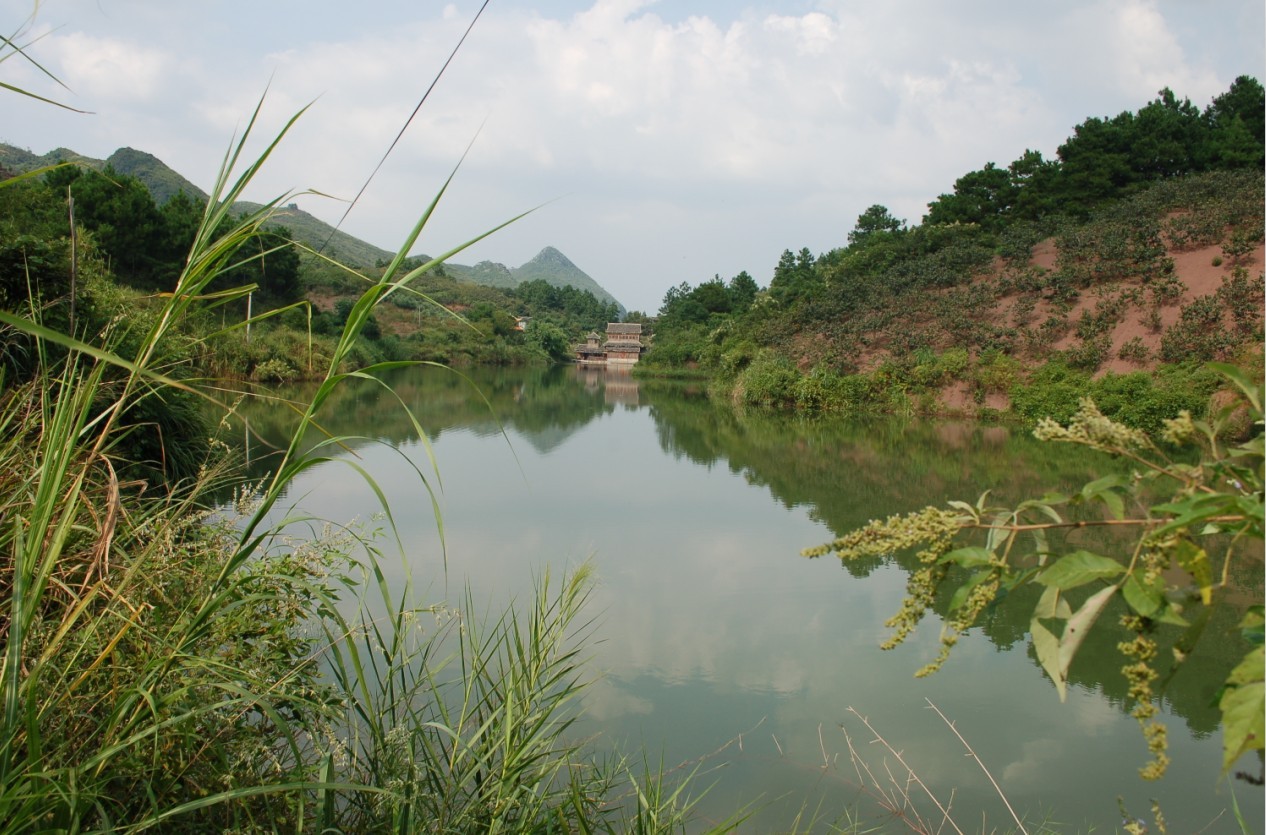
[902, 314]
[1019, 289]
[130, 247]
[173, 669]
[165, 668]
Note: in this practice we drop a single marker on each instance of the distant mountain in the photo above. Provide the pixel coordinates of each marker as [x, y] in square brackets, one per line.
[488, 273]
[164, 183]
[554, 268]
[320, 235]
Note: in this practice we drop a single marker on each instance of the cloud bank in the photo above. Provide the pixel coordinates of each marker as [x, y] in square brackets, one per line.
[668, 141]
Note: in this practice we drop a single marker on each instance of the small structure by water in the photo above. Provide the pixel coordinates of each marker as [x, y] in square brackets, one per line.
[623, 346]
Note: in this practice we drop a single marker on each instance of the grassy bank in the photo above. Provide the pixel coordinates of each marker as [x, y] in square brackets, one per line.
[168, 669]
[955, 384]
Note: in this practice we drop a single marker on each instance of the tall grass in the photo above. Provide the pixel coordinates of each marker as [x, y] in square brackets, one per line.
[166, 670]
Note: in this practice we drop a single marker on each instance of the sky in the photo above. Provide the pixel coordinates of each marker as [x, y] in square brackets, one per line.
[654, 142]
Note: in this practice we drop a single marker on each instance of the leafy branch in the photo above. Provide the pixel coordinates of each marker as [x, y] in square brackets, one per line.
[1189, 541]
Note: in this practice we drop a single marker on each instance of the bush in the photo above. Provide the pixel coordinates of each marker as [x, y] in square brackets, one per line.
[995, 372]
[824, 390]
[1199, 334]
[1053, 391]
[1135, 351]
[770, 380]
[1135, 400]
[275, 371]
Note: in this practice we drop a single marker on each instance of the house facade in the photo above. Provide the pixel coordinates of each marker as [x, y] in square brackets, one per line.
[623, 345]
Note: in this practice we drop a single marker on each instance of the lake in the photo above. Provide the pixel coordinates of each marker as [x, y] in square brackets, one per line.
[717, 644]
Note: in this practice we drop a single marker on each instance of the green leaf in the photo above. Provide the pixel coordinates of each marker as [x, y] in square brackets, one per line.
[1044, 507]
[1099, 485]
[960, 593]
[1243, 707]
[1010, 580]
[970, 557]
[1252, 625]
[1250, 385]
[1052, 604]
[1142, 599]
[1103, 490]
[1186, 643]
[1116, 505]
[1077, 569]
[1170, 615]
[1079, 625]
[1195, 562]
[1046, 645]
[1189, 512]
[1041, 545]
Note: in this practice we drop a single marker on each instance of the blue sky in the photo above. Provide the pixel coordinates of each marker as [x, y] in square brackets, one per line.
[664, 141]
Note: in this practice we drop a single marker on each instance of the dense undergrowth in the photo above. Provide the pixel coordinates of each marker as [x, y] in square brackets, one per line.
[167, 668]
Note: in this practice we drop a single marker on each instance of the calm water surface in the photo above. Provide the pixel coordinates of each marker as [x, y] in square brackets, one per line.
[717, 643]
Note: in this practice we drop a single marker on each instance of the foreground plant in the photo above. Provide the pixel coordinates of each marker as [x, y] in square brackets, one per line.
[161, 670]
[1180, 557]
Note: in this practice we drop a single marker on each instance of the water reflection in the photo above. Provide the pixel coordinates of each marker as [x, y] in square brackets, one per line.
[712, 627]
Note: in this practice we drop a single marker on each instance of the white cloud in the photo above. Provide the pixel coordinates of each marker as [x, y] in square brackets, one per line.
[813, 33]
[1149, 56]
[727, 134]
[111, 69]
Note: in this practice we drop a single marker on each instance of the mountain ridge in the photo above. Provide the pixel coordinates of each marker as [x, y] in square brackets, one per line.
[164, 182]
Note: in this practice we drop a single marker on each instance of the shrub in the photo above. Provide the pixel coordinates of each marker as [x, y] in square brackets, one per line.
[770, 380]
[995, 372]
[1135, 351]
[1053, 391]
[1199, 334]
[275, 371]
[1159, 572]
[1243, 299]
[823, 389]
[1090, 354]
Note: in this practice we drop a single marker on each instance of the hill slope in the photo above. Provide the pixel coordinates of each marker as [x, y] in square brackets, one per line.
[164, 183]
[553, 267]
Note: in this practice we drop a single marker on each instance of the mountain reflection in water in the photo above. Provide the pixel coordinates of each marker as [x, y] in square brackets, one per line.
[711, 627]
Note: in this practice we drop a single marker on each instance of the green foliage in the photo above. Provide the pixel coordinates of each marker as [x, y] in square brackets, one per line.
[550, 340]
[574, 310]
[876, 220]
[983, 197]
[270, 262]
[1217, 327]
[1140, 400]
[742, 291]
[770, 380]
[1134, 351]
[32, 271]
[128, 225]
[1238, 125]
[824, 390]
[1212, 520]
[795, 278]
[159, 672]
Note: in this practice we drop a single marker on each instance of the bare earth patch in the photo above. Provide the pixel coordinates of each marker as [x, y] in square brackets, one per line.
[1195, 271]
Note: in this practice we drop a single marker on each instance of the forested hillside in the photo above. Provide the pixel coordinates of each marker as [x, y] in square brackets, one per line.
[163, 184]
[1139, 248]
[130, 248]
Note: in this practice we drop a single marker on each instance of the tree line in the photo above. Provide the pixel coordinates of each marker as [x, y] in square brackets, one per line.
[887, 266]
